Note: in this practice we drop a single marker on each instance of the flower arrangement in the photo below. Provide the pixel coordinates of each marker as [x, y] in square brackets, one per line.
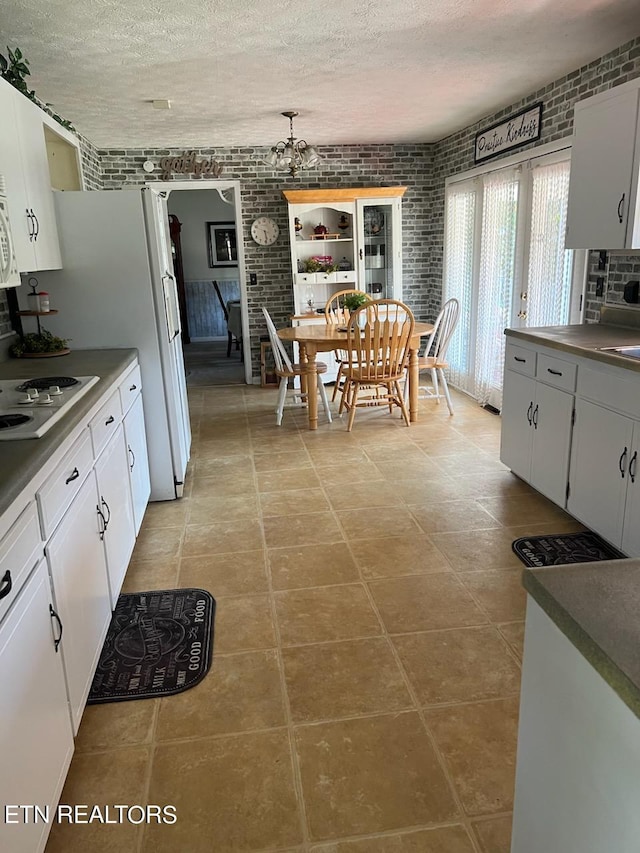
[320, 263]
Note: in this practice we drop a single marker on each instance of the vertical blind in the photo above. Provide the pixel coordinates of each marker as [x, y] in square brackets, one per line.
[506, 263]
[459, 261]
[550, 264]
[495, 281]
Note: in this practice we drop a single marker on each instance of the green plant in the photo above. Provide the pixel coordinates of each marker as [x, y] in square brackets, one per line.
[353, 301]
[14, 68]
[311, 265]
[33, 342]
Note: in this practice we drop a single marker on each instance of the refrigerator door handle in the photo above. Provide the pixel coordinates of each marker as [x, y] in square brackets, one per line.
[171, 306]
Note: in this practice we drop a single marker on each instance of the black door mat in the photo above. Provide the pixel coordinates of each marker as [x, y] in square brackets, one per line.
[560, 548]
[158, 643]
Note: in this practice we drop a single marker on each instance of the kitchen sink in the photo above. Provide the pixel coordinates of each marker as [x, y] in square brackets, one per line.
[629, 352]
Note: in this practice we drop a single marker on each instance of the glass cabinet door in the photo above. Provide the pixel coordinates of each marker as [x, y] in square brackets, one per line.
[379, 252]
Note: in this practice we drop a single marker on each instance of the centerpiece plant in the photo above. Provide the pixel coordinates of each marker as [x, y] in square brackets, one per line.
[355, 300]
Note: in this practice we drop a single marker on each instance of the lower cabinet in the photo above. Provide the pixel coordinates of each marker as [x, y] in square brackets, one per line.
[536, 433]
[116, 509]
[604, 488]
[138, 461]
[78, 569]
[577, 782]
[36, 739]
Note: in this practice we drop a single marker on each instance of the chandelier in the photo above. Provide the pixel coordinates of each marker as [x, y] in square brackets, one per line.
[292, 155]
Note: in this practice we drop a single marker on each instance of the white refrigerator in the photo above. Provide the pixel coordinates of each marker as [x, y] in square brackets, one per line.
[117, 289]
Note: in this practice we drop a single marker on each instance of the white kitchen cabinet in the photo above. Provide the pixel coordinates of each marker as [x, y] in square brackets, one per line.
[136, 439]
[603, 208]
[35, 168]
[577, 782]
[116, 507]
[363, 238]
[603, 474]
[36, 739]
[77, 564]
[536, 422]
[36, 155]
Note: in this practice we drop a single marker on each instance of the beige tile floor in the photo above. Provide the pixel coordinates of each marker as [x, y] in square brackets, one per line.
[363, 696]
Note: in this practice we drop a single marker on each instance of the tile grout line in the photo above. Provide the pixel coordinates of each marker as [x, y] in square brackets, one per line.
[294, 758]
[462, 817]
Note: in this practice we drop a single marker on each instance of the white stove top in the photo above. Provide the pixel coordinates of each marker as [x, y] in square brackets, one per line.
[30, 407]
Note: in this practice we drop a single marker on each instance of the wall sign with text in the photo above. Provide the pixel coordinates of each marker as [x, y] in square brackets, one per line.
[521, 128]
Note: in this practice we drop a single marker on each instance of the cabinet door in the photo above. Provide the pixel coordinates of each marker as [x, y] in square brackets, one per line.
[11, 170]
[138, 461]
[631, 530]
[551, 417]
[36, 740]
[114, 498]
[601, 172]
[598, 479]
[517, 430]
[379, 247]
[79, 573]
[35, 166]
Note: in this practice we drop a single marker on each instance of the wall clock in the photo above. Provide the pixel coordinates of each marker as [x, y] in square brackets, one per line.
[264, 231]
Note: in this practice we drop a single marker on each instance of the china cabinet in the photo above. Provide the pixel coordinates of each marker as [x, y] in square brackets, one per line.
[344, 238]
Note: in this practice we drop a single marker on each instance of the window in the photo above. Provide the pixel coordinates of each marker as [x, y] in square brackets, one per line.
[505, 262]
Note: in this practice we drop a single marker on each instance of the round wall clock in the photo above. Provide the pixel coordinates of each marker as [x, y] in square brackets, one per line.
[264, 231]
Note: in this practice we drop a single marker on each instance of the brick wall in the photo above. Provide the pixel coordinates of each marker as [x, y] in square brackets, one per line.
[91, 165]
[261, 194]
[454, 154]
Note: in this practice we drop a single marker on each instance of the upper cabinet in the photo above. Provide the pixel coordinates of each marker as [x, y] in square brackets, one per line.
[604, 206]
[344, 239]
[37, 155]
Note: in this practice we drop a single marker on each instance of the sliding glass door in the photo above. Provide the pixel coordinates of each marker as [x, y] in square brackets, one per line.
[506, 263]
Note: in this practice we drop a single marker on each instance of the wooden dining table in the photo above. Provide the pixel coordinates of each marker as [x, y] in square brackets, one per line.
[313, 338]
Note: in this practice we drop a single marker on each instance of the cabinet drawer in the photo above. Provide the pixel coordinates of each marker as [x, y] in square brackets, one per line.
[619, 390]
[346, 275]
[105, 423]
[305, 278]
[520, 359]
[61, 487]
[130, 388]
[556, 372]
[19, 552]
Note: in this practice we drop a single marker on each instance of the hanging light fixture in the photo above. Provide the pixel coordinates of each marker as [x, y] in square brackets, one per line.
[292, 155]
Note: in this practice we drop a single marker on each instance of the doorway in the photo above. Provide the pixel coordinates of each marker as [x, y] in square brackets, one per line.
[206, 229]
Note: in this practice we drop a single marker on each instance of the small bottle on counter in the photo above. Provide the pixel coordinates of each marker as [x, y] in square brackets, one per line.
[33, 300]
[44, 300]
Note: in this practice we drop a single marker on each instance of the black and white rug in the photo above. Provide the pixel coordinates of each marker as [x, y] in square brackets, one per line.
[158, 643]
[562, 548]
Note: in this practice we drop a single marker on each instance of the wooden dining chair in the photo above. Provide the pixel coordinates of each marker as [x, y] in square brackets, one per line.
[337, 314]
[286, 370]
[434, 358]
[378, 339]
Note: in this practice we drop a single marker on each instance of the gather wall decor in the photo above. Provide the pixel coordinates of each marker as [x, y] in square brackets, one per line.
[519, 129]
[188, 164]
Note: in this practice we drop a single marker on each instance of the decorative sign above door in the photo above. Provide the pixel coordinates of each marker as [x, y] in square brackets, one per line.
[188, 164]
[521, 128]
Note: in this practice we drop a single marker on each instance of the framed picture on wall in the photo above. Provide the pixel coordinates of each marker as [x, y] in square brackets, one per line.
[223, 248]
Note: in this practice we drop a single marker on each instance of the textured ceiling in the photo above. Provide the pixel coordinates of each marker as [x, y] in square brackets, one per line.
[358, 71]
